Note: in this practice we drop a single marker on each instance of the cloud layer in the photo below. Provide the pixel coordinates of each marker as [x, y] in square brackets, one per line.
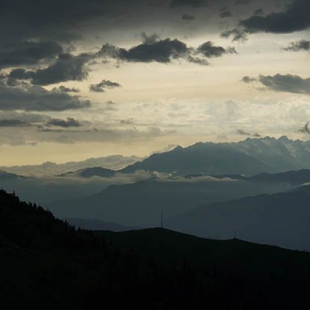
[36, 98]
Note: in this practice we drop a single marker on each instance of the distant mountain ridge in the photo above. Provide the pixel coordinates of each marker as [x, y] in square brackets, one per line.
[281, 219]
[92, 172]
[248, 157]
[207, 158]
[295, 177]
[5, 176]
[113, 162]
[140, 203]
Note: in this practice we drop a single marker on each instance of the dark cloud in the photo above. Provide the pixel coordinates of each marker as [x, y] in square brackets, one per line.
[188, 17]
[305, 129]
[149, 39]
[294, 18]
[236, 34]
[209, 50]
[100, 87]
[67, 68]
[197, 60]
[109, 50]
[64, 89]
[225, 12]
[12, 123]
[36, 98]
[248, 79]
[245, 133]
[190, 3]
[70, 122]
[29, 53]
[286, 83]
[163, 51]
[297, 46]
[57, 18]
[159, 51]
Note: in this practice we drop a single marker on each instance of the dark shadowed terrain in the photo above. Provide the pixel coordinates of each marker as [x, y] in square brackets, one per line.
[46, 263]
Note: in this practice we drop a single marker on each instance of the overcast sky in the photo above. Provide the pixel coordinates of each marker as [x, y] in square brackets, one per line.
[90, 78]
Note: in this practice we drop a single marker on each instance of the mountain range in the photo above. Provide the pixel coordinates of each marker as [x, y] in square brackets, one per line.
[141, 203]
[237, 178]
[248, 157]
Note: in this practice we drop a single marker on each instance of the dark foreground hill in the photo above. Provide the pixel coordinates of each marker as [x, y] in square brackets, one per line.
[47, 264]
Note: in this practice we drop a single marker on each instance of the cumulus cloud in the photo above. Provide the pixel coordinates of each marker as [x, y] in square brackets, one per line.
[164, 51]
[70, 122]
[302, 45]
[100, 87]
[248, 79]
[159, 51]
[64, 89]
[236, 34]
[225, 12]
[197, 60]
[36, 98]
[286, 83]
[152, 50]
[67, 68]
[149, 39]
[294, 18]
[209, 50]
[109, 50]
[28, 53]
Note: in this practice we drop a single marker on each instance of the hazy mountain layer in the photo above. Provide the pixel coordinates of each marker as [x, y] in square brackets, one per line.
[141, 203]
[51, 169]
[279, 219]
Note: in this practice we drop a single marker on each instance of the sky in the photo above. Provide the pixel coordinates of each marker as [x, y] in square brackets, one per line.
[92, 78]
